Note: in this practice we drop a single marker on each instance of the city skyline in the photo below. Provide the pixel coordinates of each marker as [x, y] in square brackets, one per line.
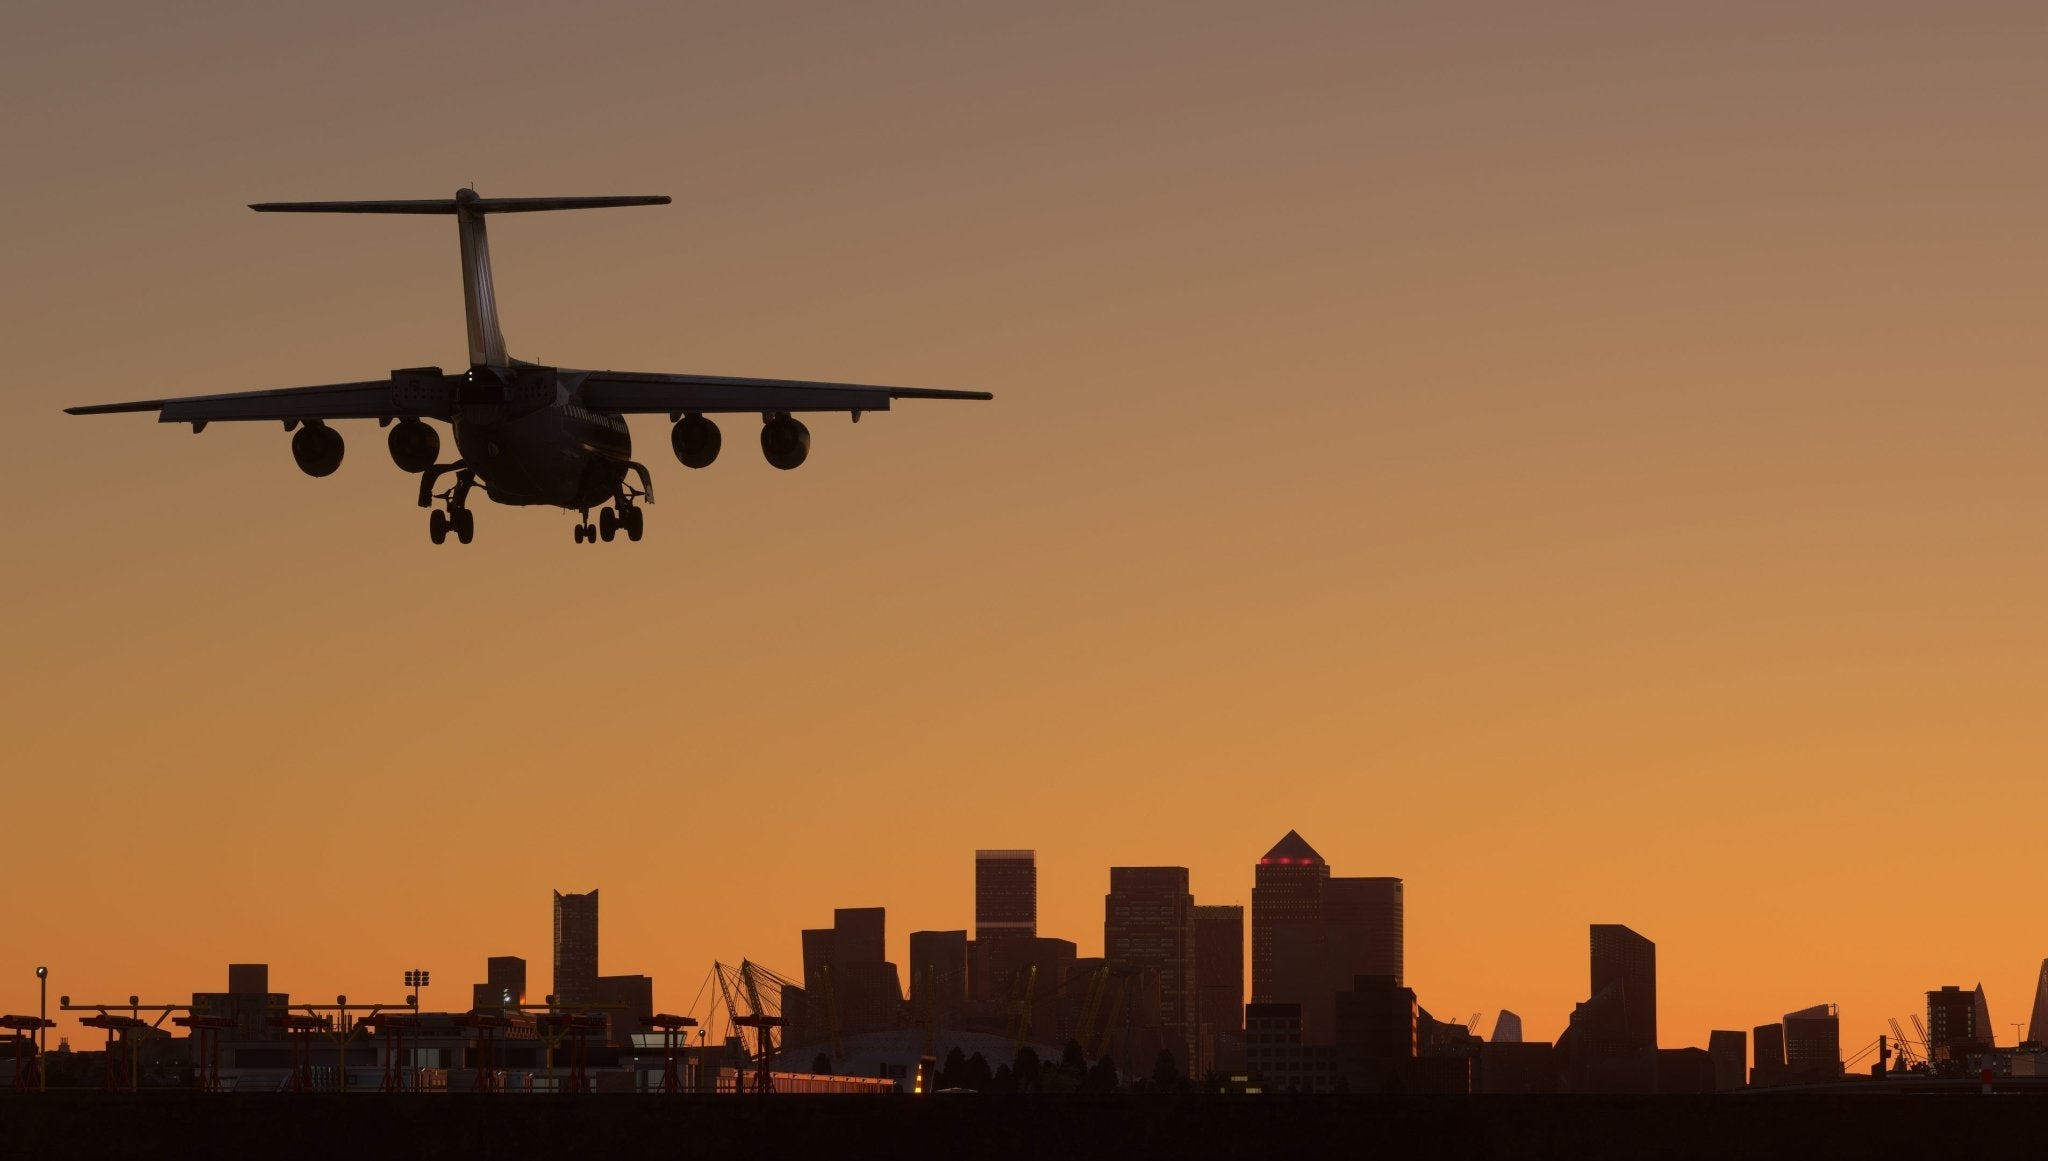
[1582, 459]
[1618, 954]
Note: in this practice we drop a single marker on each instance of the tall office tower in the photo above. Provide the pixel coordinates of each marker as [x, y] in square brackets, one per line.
[1374, 907]
[1767, 1055]
[1813, 1043]
[1980, 1017]
[860, 934]
[1005, 919]
[938, 976]
[575, 948]
[1727, 1049]
[2037, 1024]
[1628, 962]
[1148, 921]
[848, 986]
[1376, 1033]
[504, 983]
[1952, 1030]
[1219, 986]
[1507, 1028]
[1287, 890]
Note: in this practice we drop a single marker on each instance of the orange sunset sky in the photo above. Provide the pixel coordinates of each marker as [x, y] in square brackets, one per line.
[1583, 458]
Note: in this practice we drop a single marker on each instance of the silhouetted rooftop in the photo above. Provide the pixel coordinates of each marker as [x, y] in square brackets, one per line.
[1292, 849]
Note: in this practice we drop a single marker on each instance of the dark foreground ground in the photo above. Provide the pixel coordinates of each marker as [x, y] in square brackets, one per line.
[364, 1127]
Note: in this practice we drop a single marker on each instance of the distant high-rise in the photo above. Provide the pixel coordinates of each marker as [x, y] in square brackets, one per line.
[2037, 1024]
[1374, 906]
[1219, 984]
[1005, 893]
[504, 983]
[1005, 919]
[1148, 921]
[1287, 888]
[848, 986]
[575, 978]
[1507, 1028]
[1813, 1043]
[1980, 1016]
[1626, 962]
[1767, 1052]
[1727, 1049]
[1953, 1031]
[938, 976]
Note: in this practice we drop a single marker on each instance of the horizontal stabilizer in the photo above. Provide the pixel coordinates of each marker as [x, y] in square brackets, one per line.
[471, 202]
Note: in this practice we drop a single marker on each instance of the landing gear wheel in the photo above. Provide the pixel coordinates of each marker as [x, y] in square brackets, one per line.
[437, 526]
[607, 524]
[634, 521]
[579, 532]
[464, 522]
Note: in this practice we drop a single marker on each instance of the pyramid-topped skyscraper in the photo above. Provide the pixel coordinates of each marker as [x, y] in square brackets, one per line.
[1313, 935]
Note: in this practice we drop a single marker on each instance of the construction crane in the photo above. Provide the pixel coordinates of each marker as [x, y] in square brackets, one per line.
[1906, 1055]
[830, 1002]
[1021, 989]
[745, 980]
[1472, 1025]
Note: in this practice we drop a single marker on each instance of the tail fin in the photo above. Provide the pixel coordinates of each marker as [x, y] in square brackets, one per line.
[479, 300]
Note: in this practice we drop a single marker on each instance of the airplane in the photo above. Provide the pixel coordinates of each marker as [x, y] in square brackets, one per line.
[525, 433]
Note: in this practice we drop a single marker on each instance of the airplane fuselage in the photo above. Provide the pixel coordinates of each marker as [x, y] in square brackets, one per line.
[554, 452]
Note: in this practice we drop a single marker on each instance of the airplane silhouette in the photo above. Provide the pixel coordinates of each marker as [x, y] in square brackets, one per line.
[526, 433]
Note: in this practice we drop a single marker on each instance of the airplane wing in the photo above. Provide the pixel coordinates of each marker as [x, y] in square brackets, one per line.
[420, 391]
[630, 391]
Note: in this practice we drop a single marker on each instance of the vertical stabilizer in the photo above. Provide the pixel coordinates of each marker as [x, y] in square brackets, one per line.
[479, 300]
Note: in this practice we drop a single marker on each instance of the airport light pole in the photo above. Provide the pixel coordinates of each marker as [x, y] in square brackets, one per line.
[43, 1033]
[416, 978]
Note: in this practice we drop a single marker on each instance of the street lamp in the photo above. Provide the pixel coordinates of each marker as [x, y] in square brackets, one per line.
[43, 1031]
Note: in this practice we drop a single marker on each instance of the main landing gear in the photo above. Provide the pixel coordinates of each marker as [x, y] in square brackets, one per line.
[623, 516]
[627, 518]
[457, 518]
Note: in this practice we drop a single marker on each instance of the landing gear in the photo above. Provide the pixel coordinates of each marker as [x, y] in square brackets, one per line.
[457, 517]
[608, 524]
[586, 532]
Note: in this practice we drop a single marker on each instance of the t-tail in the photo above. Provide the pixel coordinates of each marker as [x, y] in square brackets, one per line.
[479, 301]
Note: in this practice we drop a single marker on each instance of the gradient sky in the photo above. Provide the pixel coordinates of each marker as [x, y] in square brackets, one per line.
[1582, 458]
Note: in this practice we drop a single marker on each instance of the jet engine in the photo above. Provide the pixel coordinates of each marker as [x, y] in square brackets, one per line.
[414, 446]
[318, 449]
[696, 441]
[785, 442]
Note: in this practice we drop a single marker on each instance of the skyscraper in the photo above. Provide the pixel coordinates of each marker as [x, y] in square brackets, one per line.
[2037, 1024]
[1005, 919]
[1728, 1048]
[1813, 1043]
[575, 978]
[1507, 1028]
[1374, 906]
[1767, 1051]
[1287, 888]
[1148, 921]
[1219, 985]
[1953, 1032]
[1626, 962]
[504, 983]
[938, 976]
